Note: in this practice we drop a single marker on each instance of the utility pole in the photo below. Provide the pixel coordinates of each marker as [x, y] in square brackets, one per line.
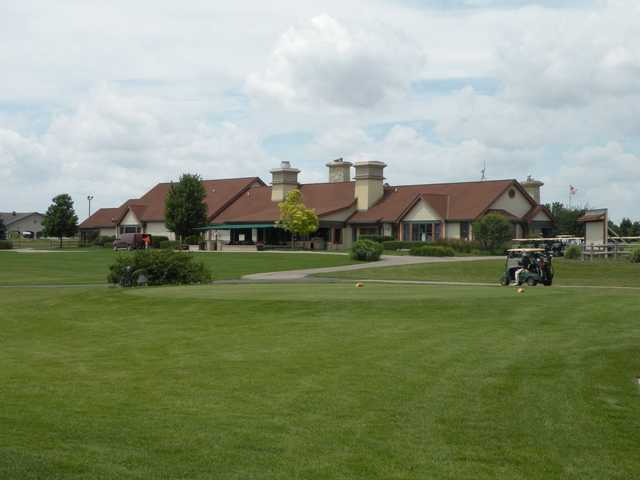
[89, 198]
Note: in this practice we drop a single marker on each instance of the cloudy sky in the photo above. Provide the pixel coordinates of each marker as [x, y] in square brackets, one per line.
[109, 98]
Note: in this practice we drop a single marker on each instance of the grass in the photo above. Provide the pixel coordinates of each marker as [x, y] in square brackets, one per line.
[568, 272]
[91, 266]
[286, 382]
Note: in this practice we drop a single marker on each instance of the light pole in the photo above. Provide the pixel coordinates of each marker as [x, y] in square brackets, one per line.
[89, 198]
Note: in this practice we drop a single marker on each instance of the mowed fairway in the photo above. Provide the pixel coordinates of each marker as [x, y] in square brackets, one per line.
[568, 272]
[319, 382]
[92, 266]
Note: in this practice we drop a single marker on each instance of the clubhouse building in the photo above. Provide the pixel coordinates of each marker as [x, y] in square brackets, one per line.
[243, 211]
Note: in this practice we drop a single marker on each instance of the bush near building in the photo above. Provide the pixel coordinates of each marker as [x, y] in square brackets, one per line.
[6, 244]
[156, 240]
[635, 255]
[366, 250]
[432, 251]
[160, 267]
[377, 238]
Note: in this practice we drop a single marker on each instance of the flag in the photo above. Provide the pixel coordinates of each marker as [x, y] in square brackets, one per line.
[572, 190]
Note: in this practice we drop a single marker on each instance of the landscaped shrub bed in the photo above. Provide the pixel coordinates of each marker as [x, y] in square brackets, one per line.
[160, 267]
[168, 244]
[6, 244]
[156, 241]
[432, 251]
[457, 245]
[377, 238]
[366, 250]
[104, 241]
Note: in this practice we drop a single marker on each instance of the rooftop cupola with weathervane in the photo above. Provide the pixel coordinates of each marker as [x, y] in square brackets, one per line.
[532, 186]
[283, 180]
[339, 171]
[369, 183]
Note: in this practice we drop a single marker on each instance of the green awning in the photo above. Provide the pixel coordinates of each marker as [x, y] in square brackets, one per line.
[236, 226]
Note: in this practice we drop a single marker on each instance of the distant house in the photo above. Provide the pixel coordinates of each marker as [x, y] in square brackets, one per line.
[23, 223]
[243, 211]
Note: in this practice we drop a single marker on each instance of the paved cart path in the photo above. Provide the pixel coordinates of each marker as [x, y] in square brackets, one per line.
[385, 261]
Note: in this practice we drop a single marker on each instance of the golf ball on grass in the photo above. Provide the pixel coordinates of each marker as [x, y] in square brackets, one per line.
[359, 285]
[521, 290]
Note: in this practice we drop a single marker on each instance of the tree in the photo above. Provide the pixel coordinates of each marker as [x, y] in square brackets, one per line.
[493, 231]
[185, 209]
[295, 217]
[626, 228]
[61, 219]
[566, 219]
[3, 230]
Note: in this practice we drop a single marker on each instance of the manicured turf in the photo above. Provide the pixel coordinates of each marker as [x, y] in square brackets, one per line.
[319, 382]
[568, 272]
[92, 265]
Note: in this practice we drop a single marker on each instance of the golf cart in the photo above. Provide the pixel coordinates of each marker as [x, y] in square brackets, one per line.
[527, 265]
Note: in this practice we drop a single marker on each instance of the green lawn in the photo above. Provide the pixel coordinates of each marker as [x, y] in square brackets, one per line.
[321, 382]
[568, 272]
[92, 265]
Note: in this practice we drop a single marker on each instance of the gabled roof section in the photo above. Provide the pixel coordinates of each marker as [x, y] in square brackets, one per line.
[11, 217]
[598, 215]
[464, 200]
[255, 205]
[102, 218]
[220, 193]
[536, 210]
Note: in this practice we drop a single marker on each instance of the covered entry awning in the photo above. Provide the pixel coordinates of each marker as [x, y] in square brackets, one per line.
[236, 226]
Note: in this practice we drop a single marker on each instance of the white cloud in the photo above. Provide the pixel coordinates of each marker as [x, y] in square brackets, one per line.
[324, 62]
[573, 57]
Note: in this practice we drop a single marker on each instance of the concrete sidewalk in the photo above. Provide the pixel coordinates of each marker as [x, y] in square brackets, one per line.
[385, 261]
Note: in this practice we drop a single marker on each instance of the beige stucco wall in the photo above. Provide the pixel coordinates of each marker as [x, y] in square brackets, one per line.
[107, 232]
[452, 230]
[368, 192]
[160, 229]
[130, 219]
[518, 205]
[542, 217]
[594, 233]
[421, 211]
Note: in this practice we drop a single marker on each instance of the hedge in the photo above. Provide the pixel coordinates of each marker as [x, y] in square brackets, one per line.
[376, 238]
[366, 250]
[157, 240]
[635, 255]
[432, 251]
[6, 244]
[168, 244]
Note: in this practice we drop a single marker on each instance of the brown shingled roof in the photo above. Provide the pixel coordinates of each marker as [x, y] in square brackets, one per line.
[466, 200]
[102, 218]
[255, 205]
[150, 207]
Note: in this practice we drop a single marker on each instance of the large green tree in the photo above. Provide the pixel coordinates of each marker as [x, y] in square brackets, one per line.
[61, 219]
[493, 231]
[185, 209]
[3, 230]
[295, 217]
[566, 219]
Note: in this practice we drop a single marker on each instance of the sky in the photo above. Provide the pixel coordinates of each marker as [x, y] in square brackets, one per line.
[109, 98]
